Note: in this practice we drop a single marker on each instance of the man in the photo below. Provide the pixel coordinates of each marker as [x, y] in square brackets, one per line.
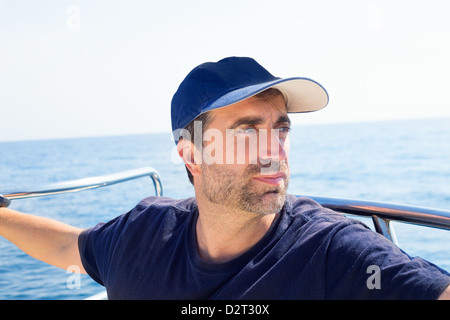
[242, 236]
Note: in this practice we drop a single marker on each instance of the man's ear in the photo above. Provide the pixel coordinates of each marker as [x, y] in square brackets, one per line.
[187, 152]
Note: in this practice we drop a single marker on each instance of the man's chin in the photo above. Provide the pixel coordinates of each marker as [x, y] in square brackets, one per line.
[267, 203]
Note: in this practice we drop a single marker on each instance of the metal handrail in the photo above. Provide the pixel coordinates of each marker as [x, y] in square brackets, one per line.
[383, 214]
[86, 184]
[411, 214]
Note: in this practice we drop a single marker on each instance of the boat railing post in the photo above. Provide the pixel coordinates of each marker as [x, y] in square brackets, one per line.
[385, 227]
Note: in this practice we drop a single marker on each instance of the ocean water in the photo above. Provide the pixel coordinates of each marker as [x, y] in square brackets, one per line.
[404, 162]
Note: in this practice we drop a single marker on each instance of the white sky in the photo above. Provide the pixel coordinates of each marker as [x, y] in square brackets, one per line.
[93, 68]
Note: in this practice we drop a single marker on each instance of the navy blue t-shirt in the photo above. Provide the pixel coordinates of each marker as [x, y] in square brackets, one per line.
[309, 252]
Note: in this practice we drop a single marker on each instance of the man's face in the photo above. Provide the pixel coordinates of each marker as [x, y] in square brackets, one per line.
[248, 169]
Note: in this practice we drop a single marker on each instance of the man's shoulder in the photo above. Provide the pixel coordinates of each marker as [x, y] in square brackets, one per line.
[165, 203]
[309, 209]
[305, 211]
[155, 210]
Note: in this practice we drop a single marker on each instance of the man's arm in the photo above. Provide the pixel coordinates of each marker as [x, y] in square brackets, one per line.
[445, 295]
[45, 239]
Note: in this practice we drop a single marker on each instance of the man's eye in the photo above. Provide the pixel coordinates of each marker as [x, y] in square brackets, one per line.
[284, 130]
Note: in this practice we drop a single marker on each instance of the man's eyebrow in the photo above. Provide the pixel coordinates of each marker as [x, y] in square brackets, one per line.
[283, 119]
[249, 121]
[254, 121]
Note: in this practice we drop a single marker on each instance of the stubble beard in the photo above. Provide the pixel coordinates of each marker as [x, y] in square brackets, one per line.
[241, 192]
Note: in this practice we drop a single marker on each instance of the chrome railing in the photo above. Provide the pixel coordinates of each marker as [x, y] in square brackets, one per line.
[86, 184]
[383, 214]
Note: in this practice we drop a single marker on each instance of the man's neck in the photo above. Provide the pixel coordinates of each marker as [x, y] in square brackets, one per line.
[224, 234]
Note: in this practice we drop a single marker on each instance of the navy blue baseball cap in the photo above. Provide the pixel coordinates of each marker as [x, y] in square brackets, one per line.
[214, 85]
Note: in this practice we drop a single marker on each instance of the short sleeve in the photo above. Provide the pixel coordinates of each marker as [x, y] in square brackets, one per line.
[96, 246]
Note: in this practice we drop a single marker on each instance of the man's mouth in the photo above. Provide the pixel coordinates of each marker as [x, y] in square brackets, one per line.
[272, 179]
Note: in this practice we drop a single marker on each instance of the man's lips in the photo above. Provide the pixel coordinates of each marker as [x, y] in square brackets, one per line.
[272, 179]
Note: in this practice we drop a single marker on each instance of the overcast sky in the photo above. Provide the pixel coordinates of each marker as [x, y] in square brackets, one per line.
[93, 68]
